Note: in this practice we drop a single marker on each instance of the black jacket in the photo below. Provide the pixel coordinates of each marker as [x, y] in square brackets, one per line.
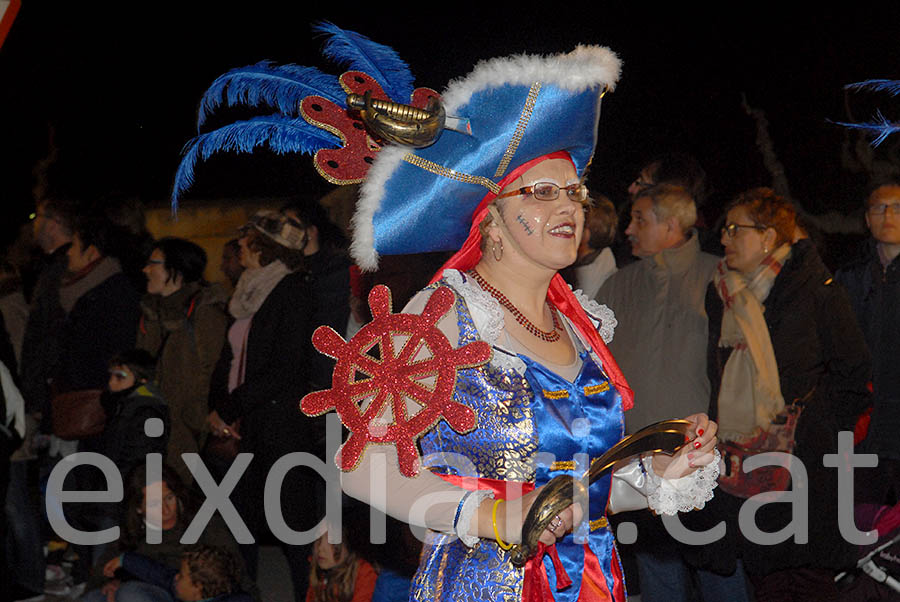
[40, 345]
[102, 322]
[818, 347]
[328, 279]
[276, 377]
[277, 374]
[875, 296]
[123, 439]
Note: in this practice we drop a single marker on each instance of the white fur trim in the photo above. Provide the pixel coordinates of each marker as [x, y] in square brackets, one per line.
[370, 194]
[583, 68]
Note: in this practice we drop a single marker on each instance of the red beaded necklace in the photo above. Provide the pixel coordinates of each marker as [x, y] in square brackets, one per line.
[550, 337]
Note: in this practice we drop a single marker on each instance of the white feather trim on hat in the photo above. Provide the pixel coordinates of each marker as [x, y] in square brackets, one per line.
[584, 67]
[370, 194]
[576, 71]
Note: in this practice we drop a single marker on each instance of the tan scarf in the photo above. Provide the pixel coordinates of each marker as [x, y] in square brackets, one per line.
[750, 395]
[74, 286]
[254, 287]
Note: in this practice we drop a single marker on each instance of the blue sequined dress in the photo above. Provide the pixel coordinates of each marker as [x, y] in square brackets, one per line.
[531, 428]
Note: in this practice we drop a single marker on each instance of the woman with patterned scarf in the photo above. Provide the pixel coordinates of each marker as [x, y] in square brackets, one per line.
[788, 368]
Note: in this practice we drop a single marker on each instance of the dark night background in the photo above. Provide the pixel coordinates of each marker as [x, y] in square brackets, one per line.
[117, 86]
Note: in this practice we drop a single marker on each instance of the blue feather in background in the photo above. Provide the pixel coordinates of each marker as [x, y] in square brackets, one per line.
[879, 125]
[359, 53]
[891, 86]
[281, 134]
[281, 87]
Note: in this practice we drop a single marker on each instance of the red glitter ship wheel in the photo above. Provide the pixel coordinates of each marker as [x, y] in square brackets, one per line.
[370, 393]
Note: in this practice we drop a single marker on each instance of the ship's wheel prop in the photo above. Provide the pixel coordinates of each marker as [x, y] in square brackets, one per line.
[393, 360]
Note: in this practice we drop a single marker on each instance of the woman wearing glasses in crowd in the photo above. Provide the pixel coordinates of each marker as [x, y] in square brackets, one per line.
[269, 356]
[781, 334]
[183, 326]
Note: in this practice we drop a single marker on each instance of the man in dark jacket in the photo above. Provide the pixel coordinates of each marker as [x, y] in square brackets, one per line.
[873, 283]
[101, 308]
[100, 304]
[53, 226]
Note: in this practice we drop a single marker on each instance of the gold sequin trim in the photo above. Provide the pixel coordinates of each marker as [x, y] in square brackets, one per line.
[328, 128]
[449, 173]
[594, 389]
[599, 523]
[563, 465]
[561, 394]
[520, 129]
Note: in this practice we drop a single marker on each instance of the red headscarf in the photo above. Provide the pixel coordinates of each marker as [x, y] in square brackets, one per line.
[559, 294]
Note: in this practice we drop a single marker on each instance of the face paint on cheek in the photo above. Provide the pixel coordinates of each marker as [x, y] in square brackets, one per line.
[525, 225]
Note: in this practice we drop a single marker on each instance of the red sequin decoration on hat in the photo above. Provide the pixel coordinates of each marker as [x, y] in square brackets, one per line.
[370, 393]
[350, 163]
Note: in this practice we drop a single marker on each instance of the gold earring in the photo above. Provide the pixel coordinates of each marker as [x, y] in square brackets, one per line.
[497, 249]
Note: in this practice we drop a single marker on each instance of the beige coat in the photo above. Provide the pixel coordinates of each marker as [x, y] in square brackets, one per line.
[661, 340]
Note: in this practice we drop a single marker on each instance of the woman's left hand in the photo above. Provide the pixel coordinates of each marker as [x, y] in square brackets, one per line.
[219, 428]
[696, 453]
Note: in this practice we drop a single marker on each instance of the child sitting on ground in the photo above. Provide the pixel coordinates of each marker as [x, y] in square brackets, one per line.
[208, 573]
[338, 573]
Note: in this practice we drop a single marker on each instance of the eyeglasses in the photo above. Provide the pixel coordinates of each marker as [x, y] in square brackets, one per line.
[732, 229]
[882, 208]
[119, 374]
[155, 261]
[548, 191]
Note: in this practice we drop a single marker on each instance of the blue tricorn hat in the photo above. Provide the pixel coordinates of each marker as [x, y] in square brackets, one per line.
[518, 108]
[507, 112]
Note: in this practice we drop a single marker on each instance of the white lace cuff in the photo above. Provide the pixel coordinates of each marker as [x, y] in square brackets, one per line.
[467, 508]
[686, 493]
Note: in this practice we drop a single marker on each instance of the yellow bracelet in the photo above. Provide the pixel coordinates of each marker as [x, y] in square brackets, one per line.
[500, 542]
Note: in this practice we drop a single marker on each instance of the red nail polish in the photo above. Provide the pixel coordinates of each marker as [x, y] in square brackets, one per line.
[696, 445]
[690, 456]
[700, 432]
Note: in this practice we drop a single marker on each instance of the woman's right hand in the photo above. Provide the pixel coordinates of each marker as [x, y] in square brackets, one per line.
[110, 568]
[219, 428]
[511, 516]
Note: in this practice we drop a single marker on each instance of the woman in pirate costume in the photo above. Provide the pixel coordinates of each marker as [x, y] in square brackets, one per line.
[498, 371]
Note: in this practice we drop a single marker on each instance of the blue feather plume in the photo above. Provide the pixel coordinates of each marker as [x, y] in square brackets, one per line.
[879, 125]
[359, 53]
[891, 86]
[281, 134]
[279, 86]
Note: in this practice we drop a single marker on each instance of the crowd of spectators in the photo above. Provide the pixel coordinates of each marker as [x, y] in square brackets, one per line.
[121, 347]
[113, 321]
